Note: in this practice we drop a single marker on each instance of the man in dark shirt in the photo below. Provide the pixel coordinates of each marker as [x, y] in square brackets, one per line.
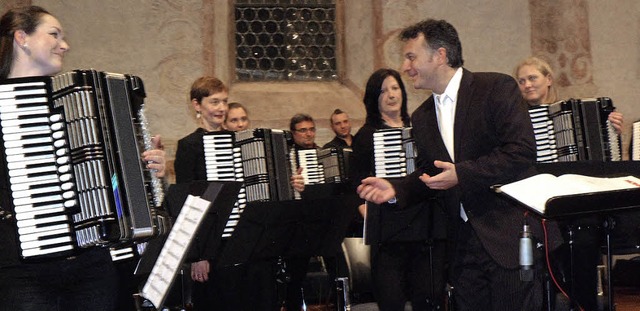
[341, 125]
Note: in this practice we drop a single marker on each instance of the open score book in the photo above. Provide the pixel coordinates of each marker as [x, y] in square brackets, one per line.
[535, 191]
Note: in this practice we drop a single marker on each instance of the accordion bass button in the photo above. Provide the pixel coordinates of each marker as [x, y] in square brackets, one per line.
[64, 169]
[68, 195]
[70, 203]
[57, 126]
[59, 143]
[66, 186]
[62, 160]
[57, 135]
[65, 177]
[55, 117]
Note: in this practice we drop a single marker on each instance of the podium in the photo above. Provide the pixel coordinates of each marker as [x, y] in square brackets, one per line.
[603, 204]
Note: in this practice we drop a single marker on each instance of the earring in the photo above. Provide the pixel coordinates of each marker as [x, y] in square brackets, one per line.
[198, 115]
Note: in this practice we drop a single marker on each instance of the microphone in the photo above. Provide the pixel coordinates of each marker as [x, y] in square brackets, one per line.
[526, 254]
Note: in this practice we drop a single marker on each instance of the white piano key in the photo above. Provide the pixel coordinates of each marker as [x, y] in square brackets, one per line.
[37, 200]
[24, 129]
[32, 170]
[39, 213]
[28, 150]
[44, 242]
[45, 130]
[39, 252]
[28, 208]
[40, 222]
[23, 142]
[32, 230]
[24, 123]
[45, 159]
[16, 104]
[39, 235]
[30, 192]
[25, 115]
[52, 180]
[11, 87]
[24, 181]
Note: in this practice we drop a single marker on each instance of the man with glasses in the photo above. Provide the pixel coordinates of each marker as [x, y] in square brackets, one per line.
[303, 129]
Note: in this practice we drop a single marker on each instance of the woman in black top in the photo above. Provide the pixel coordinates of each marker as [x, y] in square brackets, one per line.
[209, 97]
[400, 249]
[32, 44]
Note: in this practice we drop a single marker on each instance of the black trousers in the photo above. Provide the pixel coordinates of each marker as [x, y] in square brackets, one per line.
[86, 282]
[481, 284]
[401, 272]
[245, 287]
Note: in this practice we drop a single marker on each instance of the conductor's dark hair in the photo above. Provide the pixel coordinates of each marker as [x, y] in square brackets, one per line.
[437, 34]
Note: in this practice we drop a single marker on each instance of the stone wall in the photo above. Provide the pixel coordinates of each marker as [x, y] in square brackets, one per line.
[593, 45]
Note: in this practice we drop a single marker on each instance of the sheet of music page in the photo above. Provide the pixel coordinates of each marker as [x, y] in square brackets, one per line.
[174, 250]
[535, 191]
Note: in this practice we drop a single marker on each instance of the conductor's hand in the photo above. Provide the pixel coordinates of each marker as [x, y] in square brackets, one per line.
[448, 178]
[362, 209]
[155, 158]
[617, 121]
[376, 190]
[297, 181]
[200, 271]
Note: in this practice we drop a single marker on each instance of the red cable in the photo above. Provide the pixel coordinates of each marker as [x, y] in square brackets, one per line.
[546, 243]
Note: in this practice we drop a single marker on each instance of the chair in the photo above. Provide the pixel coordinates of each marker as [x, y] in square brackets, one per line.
[356, 254]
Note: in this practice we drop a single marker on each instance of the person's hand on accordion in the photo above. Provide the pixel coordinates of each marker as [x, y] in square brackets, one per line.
[297, 180]
[617, 121]
[200, 271]
[155, 158]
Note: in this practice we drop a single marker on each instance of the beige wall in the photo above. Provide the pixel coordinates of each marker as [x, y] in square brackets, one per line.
[170, 43]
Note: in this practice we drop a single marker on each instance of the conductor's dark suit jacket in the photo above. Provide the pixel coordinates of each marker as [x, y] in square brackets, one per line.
[494, 144]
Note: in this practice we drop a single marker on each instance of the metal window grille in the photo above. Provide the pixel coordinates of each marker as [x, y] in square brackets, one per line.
[290, 40]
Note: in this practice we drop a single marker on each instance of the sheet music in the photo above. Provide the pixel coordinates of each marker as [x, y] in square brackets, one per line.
[635, 141]
[535, 191]
[174, 250]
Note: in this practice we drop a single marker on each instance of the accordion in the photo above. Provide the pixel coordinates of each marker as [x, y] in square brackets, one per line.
[335, 164]
[71, 144]
[575, 130]
[394, 152]
[258, 158]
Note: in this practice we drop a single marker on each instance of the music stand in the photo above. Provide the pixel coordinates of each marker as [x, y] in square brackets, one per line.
[328, 213]
[600, 203]
[314, 225]
[162, 264]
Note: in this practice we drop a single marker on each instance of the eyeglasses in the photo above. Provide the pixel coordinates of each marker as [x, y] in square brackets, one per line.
[306, 130]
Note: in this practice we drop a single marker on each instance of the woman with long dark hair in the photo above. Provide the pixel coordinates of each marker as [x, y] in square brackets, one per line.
[401, 268]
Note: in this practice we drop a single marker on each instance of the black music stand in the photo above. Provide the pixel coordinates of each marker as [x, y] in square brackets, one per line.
[222, 196]
[314, 225]
[303, 228]
[599, 203]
